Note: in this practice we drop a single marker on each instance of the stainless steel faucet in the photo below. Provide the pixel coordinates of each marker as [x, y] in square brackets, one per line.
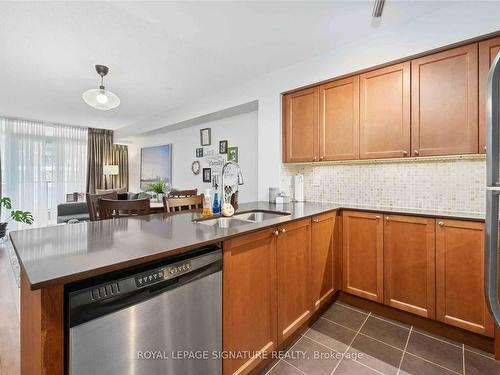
[223, 183]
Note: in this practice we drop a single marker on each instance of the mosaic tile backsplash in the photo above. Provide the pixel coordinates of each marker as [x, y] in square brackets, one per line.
[441, 184]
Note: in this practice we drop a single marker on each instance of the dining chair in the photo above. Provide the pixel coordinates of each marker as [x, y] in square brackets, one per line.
[182, 193]
[191, 203]
[111, 208]
[93, 203]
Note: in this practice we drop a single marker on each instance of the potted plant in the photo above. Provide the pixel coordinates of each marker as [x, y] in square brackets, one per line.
[158, 189]
[16, 215]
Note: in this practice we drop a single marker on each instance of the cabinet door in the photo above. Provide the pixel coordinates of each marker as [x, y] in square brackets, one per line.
[488, 50]
[363, 255]
[249, 299]
[339, 119]
[445, 102]
[385, 112]
[322, 258]
[460, 299]
[409, 264]
[294, 277]
[300, 126]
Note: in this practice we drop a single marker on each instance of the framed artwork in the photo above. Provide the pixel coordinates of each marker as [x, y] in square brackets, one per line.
[205, 137]
[222, 147]
[156, 165]
[199, 152]
[232, 154]
[207, 175]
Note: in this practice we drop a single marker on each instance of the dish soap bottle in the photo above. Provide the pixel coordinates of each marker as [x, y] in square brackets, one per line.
[216, 205]
[207, 204]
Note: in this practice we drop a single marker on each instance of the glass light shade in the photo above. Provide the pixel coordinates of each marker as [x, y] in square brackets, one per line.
[110, 170]
[101, 99]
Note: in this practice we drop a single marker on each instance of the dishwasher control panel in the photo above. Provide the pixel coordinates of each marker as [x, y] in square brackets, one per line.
[162, 274]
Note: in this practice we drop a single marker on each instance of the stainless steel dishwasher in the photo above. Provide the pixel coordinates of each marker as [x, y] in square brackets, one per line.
[166, 319]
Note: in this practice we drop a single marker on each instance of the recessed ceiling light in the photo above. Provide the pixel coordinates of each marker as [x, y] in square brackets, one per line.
[101, 98]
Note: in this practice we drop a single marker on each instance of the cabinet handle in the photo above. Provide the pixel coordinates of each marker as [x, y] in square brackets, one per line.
[315, 221]
[415, 152]
[377, 217]
[276, 233]
[405, 153]
[441, 224]
[321, 157]
[484, 147]
[283, 230]
[387, 218]
[314, 158]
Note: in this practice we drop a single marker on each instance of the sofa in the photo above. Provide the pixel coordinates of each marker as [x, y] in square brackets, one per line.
[72, 211]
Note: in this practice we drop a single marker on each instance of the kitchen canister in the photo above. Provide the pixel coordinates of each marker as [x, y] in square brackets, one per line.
[273, 193]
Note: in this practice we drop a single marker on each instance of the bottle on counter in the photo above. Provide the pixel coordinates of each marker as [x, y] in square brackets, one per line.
[207, 203]
[216, 205]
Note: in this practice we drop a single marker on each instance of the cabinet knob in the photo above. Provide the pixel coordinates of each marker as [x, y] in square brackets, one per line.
[387, 218]
[314, 158]
[415, 152]
[441, 223]
[405, 153]
[283, 230]
[315, 221]
[276, 233]
[484, 147]
[321, 157]
[377, 217]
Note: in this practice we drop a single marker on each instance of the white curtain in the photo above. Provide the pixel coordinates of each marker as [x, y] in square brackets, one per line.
[41, 163]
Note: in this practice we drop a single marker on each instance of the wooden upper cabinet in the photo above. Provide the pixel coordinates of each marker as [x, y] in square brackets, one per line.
[249, 303]
[339, 120]
[488, 49]
[445, 102]
[409, 264]
[322, 258]
[294, 277]
[385, 112]
[300, 126]
[362, 256]
[460, 299]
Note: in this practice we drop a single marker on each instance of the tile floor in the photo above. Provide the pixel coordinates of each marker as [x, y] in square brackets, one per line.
[346, 340]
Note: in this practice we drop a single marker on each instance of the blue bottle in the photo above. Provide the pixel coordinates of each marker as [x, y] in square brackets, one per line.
[216, 205]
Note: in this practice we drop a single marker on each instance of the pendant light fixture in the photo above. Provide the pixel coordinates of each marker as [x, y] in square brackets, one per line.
[101, 98]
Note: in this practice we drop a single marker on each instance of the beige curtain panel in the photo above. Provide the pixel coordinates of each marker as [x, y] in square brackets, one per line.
[120, 158]
[100, 145]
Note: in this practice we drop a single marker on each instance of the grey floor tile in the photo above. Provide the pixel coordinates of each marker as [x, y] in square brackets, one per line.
[334, 336]
[377, 355]
[343, 315]
[313, 358]
[351, 307]
[436, 351]
[439, 337]
[385, 331]
[283, 368]
[476, 364]
[412, 365]
[350, 367]
[396, 322]
[479, 351]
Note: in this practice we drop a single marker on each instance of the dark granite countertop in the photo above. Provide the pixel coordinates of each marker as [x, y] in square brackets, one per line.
[66, 253]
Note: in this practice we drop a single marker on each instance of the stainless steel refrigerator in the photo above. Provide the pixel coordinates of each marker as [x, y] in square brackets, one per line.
[492, 191]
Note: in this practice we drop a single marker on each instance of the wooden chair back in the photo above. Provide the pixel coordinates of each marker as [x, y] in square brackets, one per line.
[182, 193]
[194, 202]
[111, 208]
[93, 203]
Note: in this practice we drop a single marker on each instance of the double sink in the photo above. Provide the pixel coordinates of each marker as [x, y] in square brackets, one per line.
[242, 218]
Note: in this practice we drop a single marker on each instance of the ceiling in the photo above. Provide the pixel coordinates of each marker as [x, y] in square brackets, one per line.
[164, 54]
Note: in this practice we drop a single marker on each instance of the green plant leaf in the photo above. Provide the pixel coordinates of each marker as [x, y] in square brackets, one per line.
[22, 216]
[6, 202]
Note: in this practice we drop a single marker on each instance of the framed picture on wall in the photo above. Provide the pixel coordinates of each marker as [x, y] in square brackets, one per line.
[156, 165]
[207, 174]
[199, 152]
[205, 137]
[232, 154]
[222, 147]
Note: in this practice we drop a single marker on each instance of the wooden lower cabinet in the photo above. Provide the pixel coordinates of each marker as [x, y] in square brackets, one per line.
[409, 264]
[460, 299]
[323, 258]
[362, 254]
[294, 277]
[249, 298]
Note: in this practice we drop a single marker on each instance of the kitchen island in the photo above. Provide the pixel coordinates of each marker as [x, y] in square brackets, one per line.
[56, 256]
